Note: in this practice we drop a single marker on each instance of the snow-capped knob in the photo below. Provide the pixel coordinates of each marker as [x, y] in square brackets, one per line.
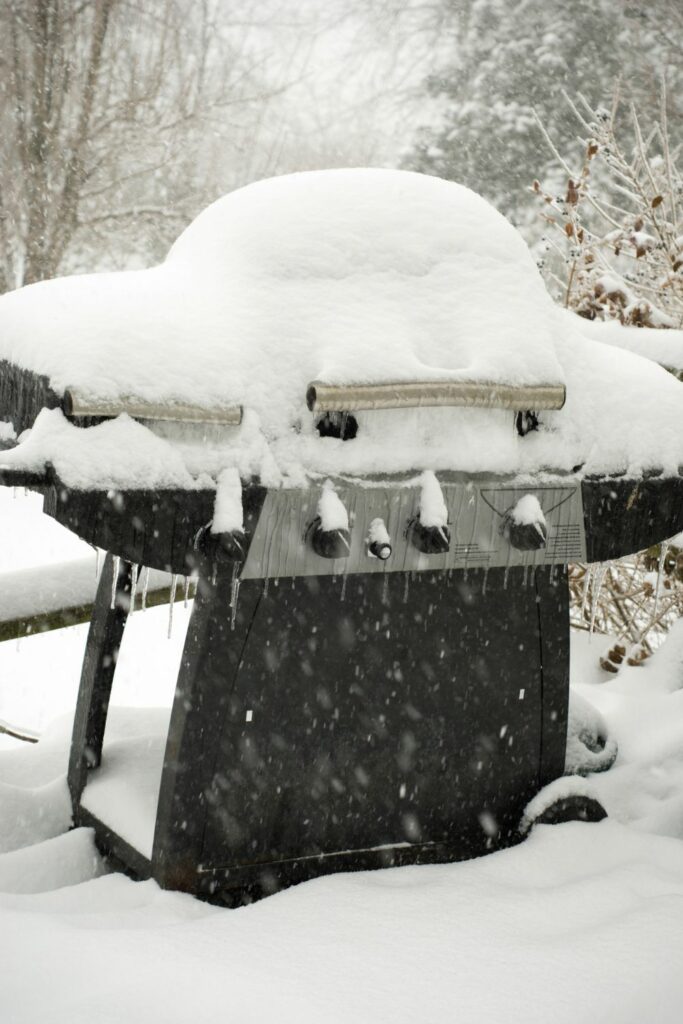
[429, 530]
[525, 526]
[329, 532]
[379, 541]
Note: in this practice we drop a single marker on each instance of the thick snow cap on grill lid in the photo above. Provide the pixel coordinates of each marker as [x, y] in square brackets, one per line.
[346, 277]
[352, 276]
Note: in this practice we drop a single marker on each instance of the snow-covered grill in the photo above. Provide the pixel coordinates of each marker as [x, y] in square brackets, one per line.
[375, 671]
[376, 666]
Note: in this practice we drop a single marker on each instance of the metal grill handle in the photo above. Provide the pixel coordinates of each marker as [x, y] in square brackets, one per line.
[77, 404]
[321, 397]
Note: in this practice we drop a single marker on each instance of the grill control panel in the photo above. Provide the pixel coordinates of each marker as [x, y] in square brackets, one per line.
[478, 533]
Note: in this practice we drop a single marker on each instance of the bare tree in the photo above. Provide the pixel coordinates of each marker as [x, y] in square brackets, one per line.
[104, 106]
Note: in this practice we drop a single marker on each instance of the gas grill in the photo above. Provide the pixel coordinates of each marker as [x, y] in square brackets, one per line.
[376, 669]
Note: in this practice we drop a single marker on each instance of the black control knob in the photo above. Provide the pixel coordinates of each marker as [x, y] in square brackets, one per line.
[334, 543]
[428, 530]
[524, 525]
[430, 540]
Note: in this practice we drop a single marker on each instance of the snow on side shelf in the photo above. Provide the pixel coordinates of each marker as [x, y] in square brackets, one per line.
[346, 276]
[663, 346]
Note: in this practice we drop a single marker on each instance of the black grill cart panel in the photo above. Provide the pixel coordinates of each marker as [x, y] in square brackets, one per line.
[332, 724]
[377, 720]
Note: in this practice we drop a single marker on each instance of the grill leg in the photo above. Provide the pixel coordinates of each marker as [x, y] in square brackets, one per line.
[97, 675]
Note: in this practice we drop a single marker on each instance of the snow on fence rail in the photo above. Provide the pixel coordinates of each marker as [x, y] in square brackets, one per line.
[54, 596]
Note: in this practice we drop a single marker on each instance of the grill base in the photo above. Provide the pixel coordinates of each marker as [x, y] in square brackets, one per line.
[324, 725]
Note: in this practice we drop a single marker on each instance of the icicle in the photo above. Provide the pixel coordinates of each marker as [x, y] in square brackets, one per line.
[343, 589]
[484, 581]
[385, 588]
[663, 552]
[525, 577]
[599, 579]
[406, 588]
[134, 587]
[234, 594]
[145, 584]
[186, 591]
[114, 581]
[174, 584]
[97, 563]
[266, 584]
[586, 588]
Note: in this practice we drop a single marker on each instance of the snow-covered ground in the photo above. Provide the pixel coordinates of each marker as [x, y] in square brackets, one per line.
[579, 923]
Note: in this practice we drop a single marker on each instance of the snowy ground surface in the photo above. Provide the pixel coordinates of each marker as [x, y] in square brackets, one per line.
[579, 923]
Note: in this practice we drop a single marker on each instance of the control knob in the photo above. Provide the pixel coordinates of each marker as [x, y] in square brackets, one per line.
[429, 529]
[524, 525]
[379, 541]
[329, 534]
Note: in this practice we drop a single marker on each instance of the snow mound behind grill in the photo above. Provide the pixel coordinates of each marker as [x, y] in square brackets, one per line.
[346, 276]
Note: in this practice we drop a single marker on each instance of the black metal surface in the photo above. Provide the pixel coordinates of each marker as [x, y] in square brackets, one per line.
[552, 602]
[152, 528]
[161, 529]
[430, 540]
[237, 886]
[23, 394]
[10, 477]
[571, 808]
[97, 675]
[119, 854]
[625, 515]
[323, 727]
[328, 543]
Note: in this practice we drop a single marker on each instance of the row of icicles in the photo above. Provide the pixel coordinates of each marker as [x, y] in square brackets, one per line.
[140, 582]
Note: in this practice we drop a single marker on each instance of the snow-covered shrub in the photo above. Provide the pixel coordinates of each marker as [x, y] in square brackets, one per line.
[637, 599]
[615, 233]
[614, 251]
